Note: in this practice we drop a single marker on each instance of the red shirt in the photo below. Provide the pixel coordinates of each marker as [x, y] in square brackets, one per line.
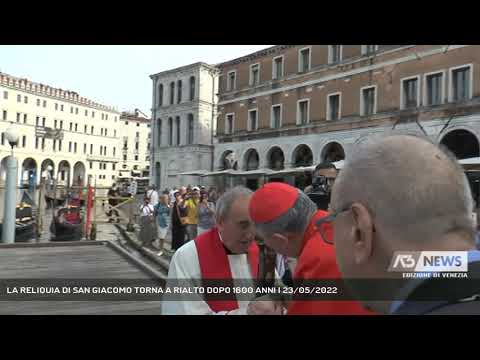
[317, 261]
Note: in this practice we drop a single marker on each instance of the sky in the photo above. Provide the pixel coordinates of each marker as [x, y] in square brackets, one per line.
[113, 75]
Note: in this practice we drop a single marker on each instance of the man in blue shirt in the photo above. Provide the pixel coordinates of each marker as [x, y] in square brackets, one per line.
[404, 193]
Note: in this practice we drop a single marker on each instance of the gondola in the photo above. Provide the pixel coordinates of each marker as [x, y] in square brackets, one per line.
[67, 223]
[25, 225]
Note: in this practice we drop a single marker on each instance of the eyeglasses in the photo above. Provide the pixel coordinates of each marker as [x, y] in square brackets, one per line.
[325, 226]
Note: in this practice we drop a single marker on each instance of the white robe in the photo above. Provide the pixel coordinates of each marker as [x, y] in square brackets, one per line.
[185, 265]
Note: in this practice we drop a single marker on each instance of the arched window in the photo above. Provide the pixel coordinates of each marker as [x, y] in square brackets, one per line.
[177, 124]
[179, 91]
[160, 95]
[192, 88]
[172, 92]
[190, 129]
[170, 131]
[159, 132]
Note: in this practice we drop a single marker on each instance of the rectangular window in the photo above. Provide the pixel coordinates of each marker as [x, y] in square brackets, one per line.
[69, 146]
[106, 132]
[93, 114]
[55, 124]
[25, 118]
[124, 157]
[18, 117]
[460, 84]
[114, 133]
[3, 139]
[410, 93]
[277, 68]
[5, 95]
[44, 103]
[61, 124]
[71, 109]
[86, 112]
[303, 112]
[91, 165]
[276, 116]
[19, 98]
[434, 89]
[43, 143]
[136, 157]
[333, 107]
[304, 60]
[37, 121]
[177, 125]
[36, 142]
[101, 132]
[91, 130]
[91, 149]
[254, 74]
[75, 148]
[43, 122]
[61, 107]
[334, 54]
[24, 141]
[85, 129]
[368, 104]
[113, 167]
[56, 106]
[4, 115]
[59, 145]
[114, 151]
[136, 146]
[38, 102]
[54, 144]
[232, 75]
[84, 148]
[76, 111]
[252, 120]
[71, 126]
[229, 124]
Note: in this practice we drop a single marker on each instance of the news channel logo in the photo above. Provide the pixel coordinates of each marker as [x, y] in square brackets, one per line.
[430, 263]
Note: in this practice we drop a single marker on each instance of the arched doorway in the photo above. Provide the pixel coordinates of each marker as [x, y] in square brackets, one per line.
[79, 174]
[48, 169]
[63, 175]
[276, 159]
[3, 170]
[302, 156]
[332, 152]
[462, 143]
[158, 173]
[251, 160]
[29, 173]
[228, 160]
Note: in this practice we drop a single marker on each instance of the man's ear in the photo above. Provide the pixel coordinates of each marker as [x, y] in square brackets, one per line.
[363, 233]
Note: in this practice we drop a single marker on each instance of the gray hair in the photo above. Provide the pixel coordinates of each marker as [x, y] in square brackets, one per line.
[295, 220]
[414, 188]
[224, 203]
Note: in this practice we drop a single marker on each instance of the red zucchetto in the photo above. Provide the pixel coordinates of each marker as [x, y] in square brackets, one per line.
[272, 201]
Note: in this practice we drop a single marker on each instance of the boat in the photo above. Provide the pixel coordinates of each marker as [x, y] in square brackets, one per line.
[67, 223]
[25, 226]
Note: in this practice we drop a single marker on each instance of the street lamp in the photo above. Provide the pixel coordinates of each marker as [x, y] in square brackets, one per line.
[9, 213]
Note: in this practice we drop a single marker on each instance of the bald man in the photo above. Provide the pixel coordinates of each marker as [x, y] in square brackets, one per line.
[285, 218]
[403, 193]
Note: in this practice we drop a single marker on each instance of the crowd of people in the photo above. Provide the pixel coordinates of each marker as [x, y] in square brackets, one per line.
[381, 203]
[184, 213]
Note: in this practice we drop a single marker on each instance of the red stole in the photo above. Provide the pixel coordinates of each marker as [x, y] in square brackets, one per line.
[214, 265]
[317, 261]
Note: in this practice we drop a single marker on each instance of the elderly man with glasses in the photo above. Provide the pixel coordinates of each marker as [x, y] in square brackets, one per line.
[285, 218]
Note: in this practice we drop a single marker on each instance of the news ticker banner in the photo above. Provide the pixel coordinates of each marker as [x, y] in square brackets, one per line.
[441, 289]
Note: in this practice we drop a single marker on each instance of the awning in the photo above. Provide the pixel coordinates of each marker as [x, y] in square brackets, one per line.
[194, 173]
[215, 173]
[253, 172]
